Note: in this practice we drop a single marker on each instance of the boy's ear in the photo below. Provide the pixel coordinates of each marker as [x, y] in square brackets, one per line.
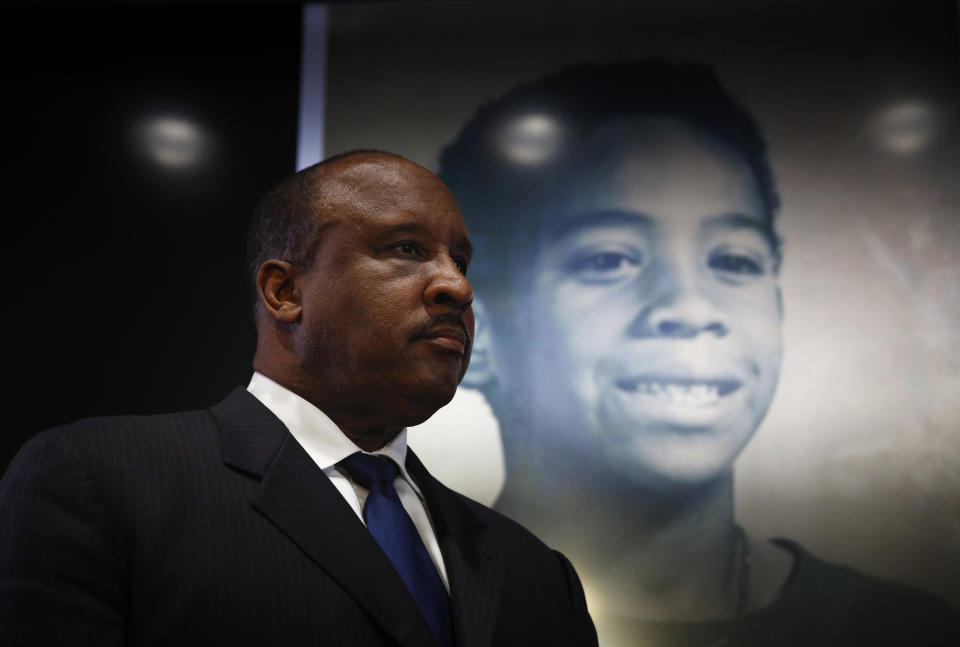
[482, 371]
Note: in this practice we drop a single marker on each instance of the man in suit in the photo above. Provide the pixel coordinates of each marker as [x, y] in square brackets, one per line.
[257, 521]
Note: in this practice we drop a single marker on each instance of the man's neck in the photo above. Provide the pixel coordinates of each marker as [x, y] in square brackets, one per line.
[370, 440]
[366, 432]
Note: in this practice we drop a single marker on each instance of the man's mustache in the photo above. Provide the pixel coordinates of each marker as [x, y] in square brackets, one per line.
[445, 319]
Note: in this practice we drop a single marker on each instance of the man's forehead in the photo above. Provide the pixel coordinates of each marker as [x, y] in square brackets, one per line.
[384, 194]
[362, 177]
[374, 179]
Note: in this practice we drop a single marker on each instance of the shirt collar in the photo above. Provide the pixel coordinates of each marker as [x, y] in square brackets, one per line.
[320, 436]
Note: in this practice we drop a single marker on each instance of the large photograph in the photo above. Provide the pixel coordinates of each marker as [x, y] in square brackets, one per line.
[716, 269]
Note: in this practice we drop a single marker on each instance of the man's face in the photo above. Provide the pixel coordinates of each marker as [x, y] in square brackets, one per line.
[648, 331]
[387, 324]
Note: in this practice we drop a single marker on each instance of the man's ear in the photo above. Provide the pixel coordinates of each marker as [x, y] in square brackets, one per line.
[482, 371]
[278, 291]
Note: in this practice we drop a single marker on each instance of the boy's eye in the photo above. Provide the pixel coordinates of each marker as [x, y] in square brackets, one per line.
[737, 266]
[603, 266]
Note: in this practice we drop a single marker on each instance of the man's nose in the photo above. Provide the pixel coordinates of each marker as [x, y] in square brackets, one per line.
[675, 303]
[448, 286]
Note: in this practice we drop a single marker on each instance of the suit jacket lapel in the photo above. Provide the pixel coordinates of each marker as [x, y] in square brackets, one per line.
[297, 497]
[474, 563]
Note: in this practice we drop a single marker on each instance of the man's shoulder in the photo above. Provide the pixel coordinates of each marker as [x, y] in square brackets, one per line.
[492, 520]
[515, 539]
[497, 521]
[120, 424]
[107, 431]
[128, 465]
[114, 441]
[160, 428]
[541, 588]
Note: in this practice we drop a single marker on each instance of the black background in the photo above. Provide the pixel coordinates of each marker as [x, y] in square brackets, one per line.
[125, 285]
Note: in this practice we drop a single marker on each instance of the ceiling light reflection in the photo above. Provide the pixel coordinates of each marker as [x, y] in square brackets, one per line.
[173, 142]
[531, 138]
[905, 127]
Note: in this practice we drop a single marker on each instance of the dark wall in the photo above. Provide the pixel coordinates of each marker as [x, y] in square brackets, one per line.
[124, 277]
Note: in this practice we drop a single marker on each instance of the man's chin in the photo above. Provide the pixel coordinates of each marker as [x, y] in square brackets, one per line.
[421, 403]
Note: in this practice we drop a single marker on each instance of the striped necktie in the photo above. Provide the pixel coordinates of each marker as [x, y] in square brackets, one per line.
[393, 529]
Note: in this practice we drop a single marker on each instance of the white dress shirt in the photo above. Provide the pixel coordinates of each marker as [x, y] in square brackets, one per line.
[327, 445]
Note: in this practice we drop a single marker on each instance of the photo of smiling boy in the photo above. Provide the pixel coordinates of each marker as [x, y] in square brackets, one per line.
[629, 342]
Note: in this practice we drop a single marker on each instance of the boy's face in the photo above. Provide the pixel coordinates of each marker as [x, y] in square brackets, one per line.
[648, 336]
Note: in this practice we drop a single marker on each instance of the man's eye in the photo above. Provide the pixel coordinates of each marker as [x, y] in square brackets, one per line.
[603, 267]
[461, 265]
[408, 248]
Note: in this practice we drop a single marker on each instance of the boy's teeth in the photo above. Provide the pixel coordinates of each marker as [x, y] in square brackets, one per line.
[684, 394]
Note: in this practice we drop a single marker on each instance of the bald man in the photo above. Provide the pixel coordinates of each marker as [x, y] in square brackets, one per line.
[293, 512]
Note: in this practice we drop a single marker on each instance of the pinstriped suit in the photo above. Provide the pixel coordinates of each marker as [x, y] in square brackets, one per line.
[215, 527]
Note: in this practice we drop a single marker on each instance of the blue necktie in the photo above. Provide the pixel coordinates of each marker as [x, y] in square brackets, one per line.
[393, 529]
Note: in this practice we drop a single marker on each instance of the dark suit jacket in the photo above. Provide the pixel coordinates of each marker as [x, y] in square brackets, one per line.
[215, 527]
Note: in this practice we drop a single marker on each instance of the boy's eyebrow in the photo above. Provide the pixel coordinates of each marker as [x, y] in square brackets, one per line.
[604, 218]
[736, 220]
[614, 217]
